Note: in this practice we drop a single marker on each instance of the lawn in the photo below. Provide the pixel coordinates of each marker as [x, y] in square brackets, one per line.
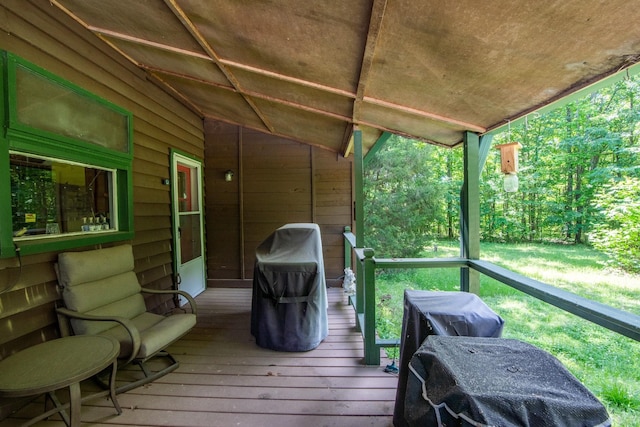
[605, 362]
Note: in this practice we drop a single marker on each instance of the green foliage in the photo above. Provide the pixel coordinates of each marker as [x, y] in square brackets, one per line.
[403, 205]
[618, 233]
[568, 156]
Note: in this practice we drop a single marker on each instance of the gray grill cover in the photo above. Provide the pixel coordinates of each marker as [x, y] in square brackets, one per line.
[289, 305]
[472, 381]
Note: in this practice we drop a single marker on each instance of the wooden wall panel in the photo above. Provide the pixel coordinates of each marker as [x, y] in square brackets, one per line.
[43, 35]
[222, 201]
[333, 207]
[280, 181]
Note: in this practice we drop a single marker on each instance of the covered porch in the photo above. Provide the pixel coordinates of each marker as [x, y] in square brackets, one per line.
[290, 96]
[225, 379]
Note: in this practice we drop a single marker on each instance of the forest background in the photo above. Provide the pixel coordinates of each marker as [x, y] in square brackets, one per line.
[574, 223]
[579, 183]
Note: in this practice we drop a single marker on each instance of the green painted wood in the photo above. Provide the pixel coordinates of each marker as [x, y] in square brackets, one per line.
[377, 146]
[421, 262]
[359, 213]
[619, 321]
[359, 187]
[349, 243]
[371, 350]
[470, 207]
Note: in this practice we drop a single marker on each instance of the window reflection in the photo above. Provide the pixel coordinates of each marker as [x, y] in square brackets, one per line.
[51, 197]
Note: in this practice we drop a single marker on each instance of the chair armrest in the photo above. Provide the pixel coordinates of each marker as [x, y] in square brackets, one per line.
[126, 324]
[188, 297]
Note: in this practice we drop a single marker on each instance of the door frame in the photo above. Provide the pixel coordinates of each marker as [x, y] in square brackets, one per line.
[179, 157]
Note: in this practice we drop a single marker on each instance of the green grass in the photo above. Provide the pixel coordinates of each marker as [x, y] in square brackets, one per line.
[605, 362]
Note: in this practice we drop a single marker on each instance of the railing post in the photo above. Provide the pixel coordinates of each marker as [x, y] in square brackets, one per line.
[347, 249]
[360, 289]
[371, 350]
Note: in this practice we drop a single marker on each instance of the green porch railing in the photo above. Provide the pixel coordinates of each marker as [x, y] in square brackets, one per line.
[364, 301]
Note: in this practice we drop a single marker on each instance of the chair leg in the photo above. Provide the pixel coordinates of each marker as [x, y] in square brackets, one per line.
[149, 375]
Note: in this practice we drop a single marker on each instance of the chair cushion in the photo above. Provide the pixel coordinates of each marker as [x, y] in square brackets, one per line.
[89, 266]
[156, 332]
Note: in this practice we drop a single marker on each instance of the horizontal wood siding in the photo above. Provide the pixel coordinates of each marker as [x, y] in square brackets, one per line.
[41, 34]
[277, 181]
[276, 188]
[222, 204]
[333, 207]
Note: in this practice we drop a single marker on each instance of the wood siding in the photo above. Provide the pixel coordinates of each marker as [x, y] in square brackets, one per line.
[276, 181]
[41, 34]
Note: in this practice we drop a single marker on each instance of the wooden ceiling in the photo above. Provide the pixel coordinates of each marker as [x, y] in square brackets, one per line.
[313, 70]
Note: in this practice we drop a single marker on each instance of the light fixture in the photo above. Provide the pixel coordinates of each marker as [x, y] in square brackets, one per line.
[509, 165]
[228, 175]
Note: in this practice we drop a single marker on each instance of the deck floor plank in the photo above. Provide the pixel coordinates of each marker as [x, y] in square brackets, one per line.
[225, 379]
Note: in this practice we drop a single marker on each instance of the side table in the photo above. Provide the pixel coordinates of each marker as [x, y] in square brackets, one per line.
[59, 363]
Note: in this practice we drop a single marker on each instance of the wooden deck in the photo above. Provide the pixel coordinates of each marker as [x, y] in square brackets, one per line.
[225, 379]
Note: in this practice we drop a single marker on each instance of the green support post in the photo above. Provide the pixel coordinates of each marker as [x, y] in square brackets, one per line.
[470, 206]
[371, 350]
[359, 211]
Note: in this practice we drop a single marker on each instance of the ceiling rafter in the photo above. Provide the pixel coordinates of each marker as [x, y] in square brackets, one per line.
[399, 132]
[289, 79]
[179, 13]
[424, 114]
[138, 40]
[375, 24]
[381, 52]
[276, 133]
[253, 94]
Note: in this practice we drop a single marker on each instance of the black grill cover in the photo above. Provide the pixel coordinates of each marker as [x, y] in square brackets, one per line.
[470, 381]
[439, 313]
[289, 305]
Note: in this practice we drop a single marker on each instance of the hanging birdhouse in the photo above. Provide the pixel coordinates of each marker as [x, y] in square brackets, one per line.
[509, 156]
[509, 164]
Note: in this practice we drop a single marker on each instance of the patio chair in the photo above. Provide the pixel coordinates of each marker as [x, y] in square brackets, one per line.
[102, 296]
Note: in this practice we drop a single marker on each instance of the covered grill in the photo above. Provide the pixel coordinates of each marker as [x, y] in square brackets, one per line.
[289, 306]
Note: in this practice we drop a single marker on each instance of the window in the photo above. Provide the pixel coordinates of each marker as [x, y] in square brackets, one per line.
[68, 164]
[52, 197]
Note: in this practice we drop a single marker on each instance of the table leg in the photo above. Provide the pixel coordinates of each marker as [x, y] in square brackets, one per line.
[75, 402]
[112, 387]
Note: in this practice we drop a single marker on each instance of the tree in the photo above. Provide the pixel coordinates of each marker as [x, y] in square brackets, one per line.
[618, 234]
[403, 201]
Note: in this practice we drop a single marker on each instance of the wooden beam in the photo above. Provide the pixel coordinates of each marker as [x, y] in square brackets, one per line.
[138, 40]
[427, 115]
[377, 146]
[397, 132]
[359, 187]
[375, 24]
[285, 78]
[182, 16]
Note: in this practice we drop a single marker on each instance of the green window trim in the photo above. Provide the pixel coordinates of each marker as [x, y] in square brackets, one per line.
[21, 138]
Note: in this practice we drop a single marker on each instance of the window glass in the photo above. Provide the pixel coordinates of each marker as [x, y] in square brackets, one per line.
[53, 197]
[48, 105]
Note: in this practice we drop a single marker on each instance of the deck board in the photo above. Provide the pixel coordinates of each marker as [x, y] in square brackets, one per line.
[225, 379]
